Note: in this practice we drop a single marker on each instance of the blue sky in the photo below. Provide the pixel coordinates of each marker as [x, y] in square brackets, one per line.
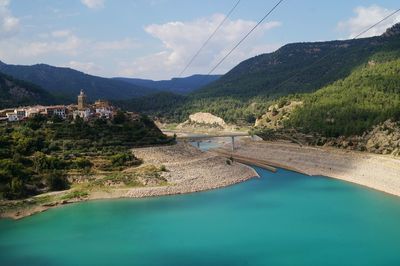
[156, 38]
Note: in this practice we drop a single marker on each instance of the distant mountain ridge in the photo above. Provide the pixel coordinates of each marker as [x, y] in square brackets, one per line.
[176, 85]
[14, 93]
[66, 82]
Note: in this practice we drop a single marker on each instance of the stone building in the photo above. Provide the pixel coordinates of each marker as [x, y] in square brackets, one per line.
[82, 100]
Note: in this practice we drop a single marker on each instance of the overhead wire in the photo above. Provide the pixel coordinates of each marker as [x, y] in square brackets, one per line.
[328, 54]
[209, 39]
[245, 37]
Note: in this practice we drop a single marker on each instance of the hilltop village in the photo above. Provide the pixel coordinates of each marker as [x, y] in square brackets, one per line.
[84, 110]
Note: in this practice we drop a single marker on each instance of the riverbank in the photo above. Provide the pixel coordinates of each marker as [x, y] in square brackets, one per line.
[185, 169]
[374, 171]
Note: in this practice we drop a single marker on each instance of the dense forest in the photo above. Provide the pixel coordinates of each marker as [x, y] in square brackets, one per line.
[353, 105]
[176, 85]
[15, 92]
[37, 155]
[299, 67]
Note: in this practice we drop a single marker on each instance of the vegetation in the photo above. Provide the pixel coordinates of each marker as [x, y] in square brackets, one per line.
[15, 92]
[36, 156]
[175, 85]
[298, 68]
[65, 83]
[245, 92]
[177, 108]
[351, 106]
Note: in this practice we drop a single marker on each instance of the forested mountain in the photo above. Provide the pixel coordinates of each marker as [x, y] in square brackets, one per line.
[15, 92]
[299, 67]
[175, 85]
[159, 104]
[351, 106]
[244, 93]
[66, 82]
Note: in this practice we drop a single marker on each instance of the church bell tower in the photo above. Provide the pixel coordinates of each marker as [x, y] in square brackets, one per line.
[82, 100]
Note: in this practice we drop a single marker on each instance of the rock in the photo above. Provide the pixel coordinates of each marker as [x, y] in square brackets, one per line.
[276, 114]
[203, 120]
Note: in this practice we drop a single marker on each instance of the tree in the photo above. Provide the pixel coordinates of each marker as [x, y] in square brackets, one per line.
[120, 117]
[56, 181]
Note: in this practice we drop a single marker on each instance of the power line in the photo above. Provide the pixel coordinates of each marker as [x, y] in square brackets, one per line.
[328, 54]
[244, 38]
[376, 24]
[209, 38]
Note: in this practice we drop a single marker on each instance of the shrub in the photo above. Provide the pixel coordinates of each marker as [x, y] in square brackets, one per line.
[15, 190]
[56, 181]
[124, 159]
[81, 163]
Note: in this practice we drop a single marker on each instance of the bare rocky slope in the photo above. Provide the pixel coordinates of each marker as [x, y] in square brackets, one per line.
[203, 121]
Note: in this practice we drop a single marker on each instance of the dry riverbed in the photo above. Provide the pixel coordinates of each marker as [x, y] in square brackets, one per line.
[166, 170]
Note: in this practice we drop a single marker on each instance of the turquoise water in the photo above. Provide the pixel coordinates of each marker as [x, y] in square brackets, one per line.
[280, 219]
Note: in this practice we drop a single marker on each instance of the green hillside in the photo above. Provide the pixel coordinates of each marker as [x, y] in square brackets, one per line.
[244, 93]
[353, 105]
[299, 67]
[15, 92]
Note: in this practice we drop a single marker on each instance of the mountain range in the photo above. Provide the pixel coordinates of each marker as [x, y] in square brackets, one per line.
[244, 93]
[175, 85]
[66, 83]
[300, 67]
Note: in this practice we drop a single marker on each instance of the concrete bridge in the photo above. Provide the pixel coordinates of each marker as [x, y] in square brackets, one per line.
[199, 138]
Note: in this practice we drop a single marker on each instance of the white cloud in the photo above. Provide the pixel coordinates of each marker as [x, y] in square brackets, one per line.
[93, 4]
[87, 67]
[9, 24]
[61, 33]
[64, 42]
[366, 17]
[72, 50]
[124, 44]
[182, 39]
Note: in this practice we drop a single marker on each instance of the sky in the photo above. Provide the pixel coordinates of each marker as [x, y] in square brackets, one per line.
[155, 39]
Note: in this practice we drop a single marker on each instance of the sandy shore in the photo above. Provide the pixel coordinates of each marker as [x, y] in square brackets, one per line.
[374, 171]
[188, 170]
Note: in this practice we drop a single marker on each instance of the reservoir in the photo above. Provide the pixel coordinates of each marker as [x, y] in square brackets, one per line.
[284, 218]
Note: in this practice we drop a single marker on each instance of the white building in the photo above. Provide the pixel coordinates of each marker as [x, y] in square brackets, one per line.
[21, 113]
[104, 112]
[35, 110]
[12, 117]
[84, 114]
[59, 110]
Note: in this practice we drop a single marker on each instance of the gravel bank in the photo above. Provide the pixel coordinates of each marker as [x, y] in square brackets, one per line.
[190, 170]
[375, 171]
